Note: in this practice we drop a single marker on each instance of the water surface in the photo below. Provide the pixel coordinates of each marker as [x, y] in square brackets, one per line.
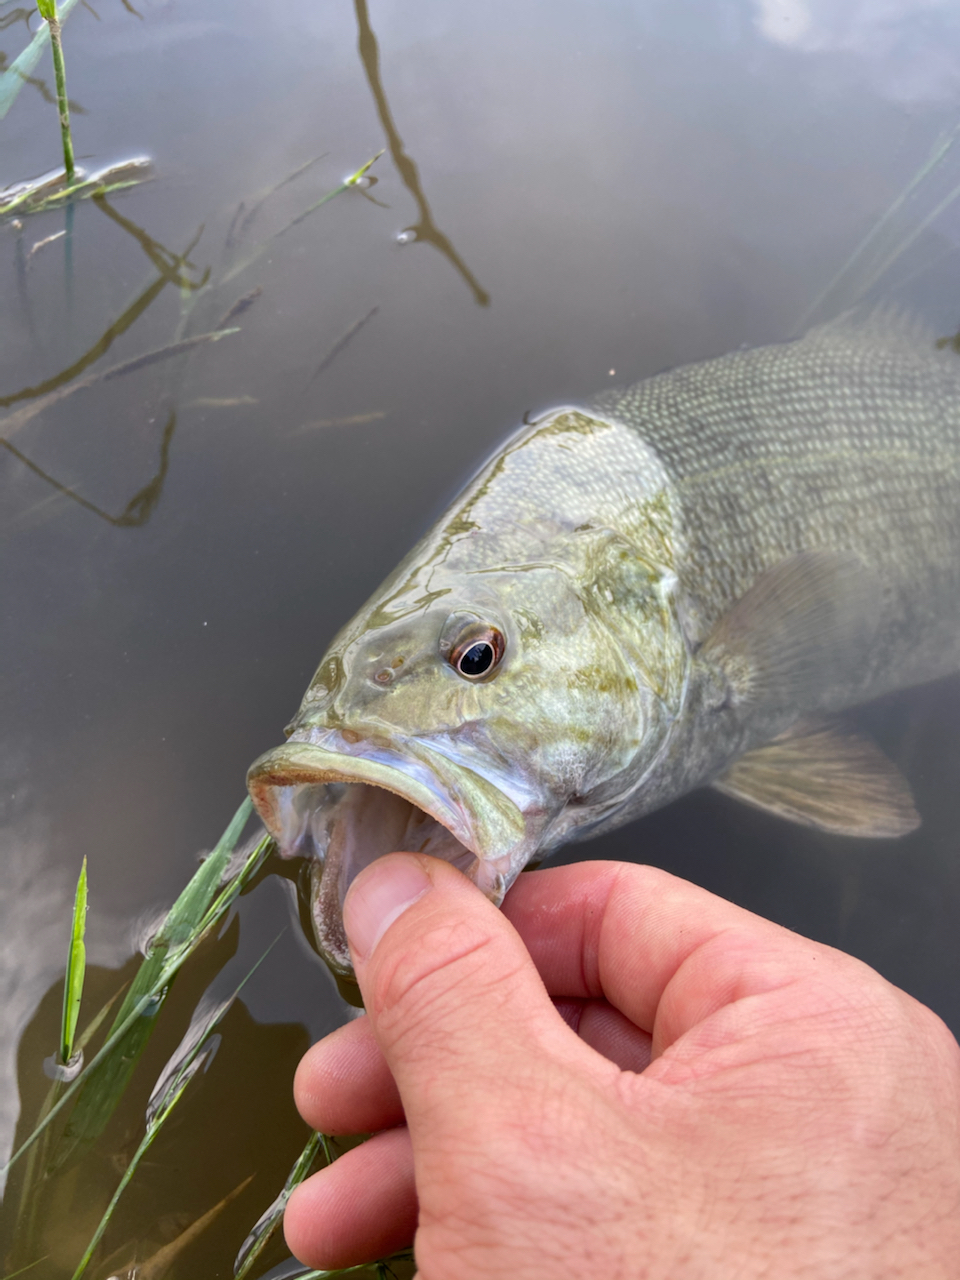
[572, 195]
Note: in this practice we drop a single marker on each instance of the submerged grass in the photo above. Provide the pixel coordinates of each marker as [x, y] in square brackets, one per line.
[96, 1089]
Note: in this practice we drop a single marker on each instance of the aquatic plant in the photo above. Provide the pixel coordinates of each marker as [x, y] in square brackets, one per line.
[97, 1087]
[48, 11]
[76, 968]
[85, 1094]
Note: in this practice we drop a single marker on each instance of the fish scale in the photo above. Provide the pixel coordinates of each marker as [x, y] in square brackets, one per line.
[848, 439]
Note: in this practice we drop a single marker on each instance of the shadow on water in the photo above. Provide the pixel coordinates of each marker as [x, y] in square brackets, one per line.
[426, 229]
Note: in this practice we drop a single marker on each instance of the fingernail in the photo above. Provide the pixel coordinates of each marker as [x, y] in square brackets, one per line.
[378, 896]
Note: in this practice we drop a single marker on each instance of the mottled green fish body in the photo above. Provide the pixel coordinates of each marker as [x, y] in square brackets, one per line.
[674, 584]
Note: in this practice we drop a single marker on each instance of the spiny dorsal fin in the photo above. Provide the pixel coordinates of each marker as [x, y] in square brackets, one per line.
[804, 627]
[825, 776]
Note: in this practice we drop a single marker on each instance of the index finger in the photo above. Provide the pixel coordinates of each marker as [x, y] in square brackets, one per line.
[664, 952]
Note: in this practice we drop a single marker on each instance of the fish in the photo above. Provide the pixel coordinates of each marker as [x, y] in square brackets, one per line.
[675, 584]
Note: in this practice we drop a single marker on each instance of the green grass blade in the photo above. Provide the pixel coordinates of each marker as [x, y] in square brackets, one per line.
[152, 1130]
[158, 970]
[186, 922]
[29, 1267]
[14, 78]
[259, 250]
[262, 1232]
[191, 1056]
[76, 968]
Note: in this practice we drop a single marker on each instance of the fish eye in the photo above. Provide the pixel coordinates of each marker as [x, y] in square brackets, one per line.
[478, 653]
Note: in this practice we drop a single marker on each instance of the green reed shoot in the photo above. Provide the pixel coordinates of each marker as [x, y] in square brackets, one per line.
[48, 11]
[76, 967]
[193, 1054]
[265, 1228]
[201, 907]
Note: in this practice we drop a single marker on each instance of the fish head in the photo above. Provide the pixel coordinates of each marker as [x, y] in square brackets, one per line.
[507, 685]
[480, 721]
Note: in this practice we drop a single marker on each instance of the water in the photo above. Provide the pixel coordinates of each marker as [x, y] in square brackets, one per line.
[572, 194]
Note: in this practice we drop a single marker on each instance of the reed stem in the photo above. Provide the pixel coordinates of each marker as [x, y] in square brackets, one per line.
[48, 10]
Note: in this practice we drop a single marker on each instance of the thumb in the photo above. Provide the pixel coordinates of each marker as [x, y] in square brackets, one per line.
[453, 997]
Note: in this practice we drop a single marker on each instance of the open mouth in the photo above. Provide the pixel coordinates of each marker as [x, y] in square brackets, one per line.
[345, 811]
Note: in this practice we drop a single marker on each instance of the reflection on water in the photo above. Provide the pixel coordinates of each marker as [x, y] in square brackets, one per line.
[636, 187]
[425, 229]
[143, 503]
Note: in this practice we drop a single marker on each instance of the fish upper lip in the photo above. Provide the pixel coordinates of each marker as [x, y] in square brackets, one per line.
[476, 811]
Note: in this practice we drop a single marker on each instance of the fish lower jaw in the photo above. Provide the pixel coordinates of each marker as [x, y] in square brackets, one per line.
[342, 827]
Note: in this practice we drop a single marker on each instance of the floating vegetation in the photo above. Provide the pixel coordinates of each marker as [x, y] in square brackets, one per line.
[256, 253]
[53, 190]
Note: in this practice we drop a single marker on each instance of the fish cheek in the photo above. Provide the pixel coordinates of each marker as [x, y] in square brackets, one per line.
[569, 714]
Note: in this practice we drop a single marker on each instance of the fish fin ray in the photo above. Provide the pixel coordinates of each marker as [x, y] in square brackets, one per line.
[825, 776]
[802, 629]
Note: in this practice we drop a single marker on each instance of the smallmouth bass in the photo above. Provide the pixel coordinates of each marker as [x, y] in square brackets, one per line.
[675, 584]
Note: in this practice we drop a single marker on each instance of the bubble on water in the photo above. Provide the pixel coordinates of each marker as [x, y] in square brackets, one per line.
[406, 237]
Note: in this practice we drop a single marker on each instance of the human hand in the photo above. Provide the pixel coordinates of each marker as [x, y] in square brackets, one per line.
[799, 1116]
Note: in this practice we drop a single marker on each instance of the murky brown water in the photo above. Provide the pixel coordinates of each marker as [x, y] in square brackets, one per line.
[591, 187]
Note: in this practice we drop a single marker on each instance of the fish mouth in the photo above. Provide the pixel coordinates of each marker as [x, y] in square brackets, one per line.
[345, 810]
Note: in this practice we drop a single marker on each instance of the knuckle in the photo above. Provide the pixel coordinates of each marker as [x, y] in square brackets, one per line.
[429, 976]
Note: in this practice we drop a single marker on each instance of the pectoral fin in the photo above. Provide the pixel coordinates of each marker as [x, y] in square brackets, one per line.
[803, 628]
[829, 778]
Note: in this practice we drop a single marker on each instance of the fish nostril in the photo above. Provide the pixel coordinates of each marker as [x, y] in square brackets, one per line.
[384, 676]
